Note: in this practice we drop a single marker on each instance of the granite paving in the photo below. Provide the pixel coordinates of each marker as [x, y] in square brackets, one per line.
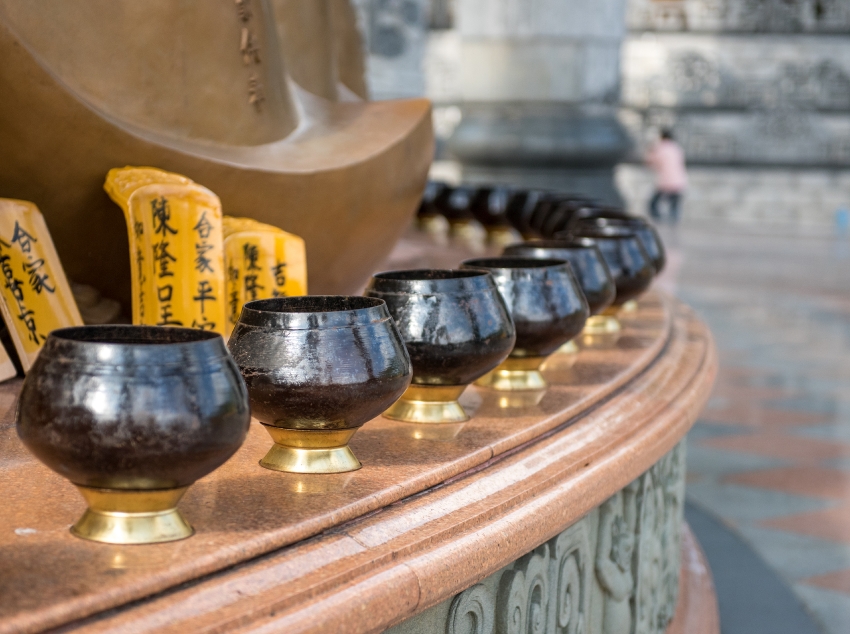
[770, 456]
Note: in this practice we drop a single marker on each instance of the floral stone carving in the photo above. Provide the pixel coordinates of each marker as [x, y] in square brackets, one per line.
[472, 612]
[615, 571]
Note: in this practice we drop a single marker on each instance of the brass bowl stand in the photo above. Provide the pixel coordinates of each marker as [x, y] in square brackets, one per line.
[515, 374]
[429, 404]
[605, 323]
[603, 330]
[116, 516]
[310, 451]
[630, 306]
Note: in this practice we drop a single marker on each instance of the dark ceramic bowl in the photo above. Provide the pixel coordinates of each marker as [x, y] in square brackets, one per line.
[318, 367]
[586, 260]
[592, 211]
[454, 322]
[427, 208]
[453, 202]
[554, 211]
[548, 309]
[319, 362]
[629, 263]
[455, 325]
[546, 303]
[560, 218]
[645, 232]
[488, 205]
[133, 407]
[133, 415]
[520, 208]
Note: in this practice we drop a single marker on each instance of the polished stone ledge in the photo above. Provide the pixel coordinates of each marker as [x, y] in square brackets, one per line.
[433, 512]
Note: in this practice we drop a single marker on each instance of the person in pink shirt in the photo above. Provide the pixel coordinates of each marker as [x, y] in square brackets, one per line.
[667, 160]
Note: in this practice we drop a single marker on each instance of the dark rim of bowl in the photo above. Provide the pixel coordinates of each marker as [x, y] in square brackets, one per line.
[313, 312]
[417, 275]
[635, 222]
[131, 335]
[573, 243]
[509, 262]
[605, 233]
[431, 281]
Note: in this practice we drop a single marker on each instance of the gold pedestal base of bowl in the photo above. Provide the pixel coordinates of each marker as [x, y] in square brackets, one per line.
[115, 516]
[436, 227]
[469, 233]
[515, 374]
[630, 306]
[429, 404]
[503, 236]
[310, 451]
[602, 324]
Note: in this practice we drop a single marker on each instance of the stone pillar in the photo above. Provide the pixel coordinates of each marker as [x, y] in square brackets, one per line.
[395, 32]
[538, 91]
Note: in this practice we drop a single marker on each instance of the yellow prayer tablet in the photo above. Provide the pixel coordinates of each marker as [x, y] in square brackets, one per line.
[120, 184]
[178, 262]
[36, 297]
[190, 265]
[262, 261]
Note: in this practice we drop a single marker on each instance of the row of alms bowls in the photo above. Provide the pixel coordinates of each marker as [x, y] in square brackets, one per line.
[124, 412]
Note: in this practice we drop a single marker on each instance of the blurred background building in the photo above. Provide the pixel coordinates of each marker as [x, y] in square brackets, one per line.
[758, 92]
[568, 95]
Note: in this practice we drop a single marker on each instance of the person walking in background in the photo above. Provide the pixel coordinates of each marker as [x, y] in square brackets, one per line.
[667, 160]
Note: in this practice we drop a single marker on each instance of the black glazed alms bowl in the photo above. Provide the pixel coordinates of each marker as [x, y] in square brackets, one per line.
[630, 266]
[587, 263]
[645, 232]
[593, 211]
[456, 328]
[133, 415]
[548, 309]
[317, 368]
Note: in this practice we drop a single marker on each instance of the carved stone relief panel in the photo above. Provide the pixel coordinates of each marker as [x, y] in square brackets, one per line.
[571, 567]
[785, 137]
[622, 557]
[395, 33]
[740, 100]
[660, 504]
[546, 18]
[772, 16]
[472, 612]
[615, 569]
[522, 605]
[687, 71]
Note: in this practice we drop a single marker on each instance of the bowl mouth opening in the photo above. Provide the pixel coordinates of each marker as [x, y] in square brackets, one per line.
[554, 243]
[424, 275]
[599, 208]
[609, 231]
[514, 262]
[133, 335]
[313, 304]
[634, 222]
